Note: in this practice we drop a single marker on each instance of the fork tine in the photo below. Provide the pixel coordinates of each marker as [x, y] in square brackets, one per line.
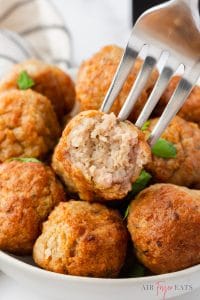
[139, 84]
[178, 98]
[162, 82]
[127, 61]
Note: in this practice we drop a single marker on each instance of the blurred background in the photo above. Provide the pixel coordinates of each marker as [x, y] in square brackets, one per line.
[64, 31]
[94, 23]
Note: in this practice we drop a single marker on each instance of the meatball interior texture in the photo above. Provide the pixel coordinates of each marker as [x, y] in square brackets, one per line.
[83, 239]
[95, 76]
[28, 125]
[28, 193]
[190, 110]
[49, 80]
[184, 169]
[100, 157]
[164, 222]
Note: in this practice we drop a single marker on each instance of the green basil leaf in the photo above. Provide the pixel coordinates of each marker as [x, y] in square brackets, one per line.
[163, 148]
[24, 81]
[146, 125]
[25, 159]
[126, 212]
[141, 182]
[137, 271]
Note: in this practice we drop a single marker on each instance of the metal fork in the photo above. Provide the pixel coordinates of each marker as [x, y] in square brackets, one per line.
[169, 30]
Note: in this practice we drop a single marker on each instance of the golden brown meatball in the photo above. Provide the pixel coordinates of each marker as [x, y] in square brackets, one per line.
[28, 125]
[28, 193]
[100, 157]
[184, 169]
[164, 222]
[95, 76]
[82, 239]
[190, 110]
[49, 81]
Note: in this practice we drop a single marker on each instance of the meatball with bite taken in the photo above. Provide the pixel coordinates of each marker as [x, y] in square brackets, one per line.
[28, 192]
[164, 223]
[99, 157]
[82, 239]
[184, 168]
[48, 80]
[95, 76]
[190, 110]
[28, 125]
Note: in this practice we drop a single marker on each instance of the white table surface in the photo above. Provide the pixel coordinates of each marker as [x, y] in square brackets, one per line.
[111, 25]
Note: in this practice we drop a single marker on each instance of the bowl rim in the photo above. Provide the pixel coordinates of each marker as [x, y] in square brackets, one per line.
[52, 275]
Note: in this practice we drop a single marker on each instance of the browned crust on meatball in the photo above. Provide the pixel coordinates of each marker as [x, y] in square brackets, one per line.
[190, 110]
[28, 125]
[49, 80]
[95, 76]
[83, 239]
[74, 178]
[164, 222]
[184, 169]
[28, 193]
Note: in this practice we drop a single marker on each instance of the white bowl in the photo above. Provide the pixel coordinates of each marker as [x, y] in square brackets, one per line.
[63, 287]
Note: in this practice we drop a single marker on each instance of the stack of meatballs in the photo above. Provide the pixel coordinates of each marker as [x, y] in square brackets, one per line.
[69, 174]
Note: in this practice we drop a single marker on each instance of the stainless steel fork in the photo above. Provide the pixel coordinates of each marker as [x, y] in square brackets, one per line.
[169, 30]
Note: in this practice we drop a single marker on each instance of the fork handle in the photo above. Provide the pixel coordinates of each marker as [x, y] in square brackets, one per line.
[193, 4]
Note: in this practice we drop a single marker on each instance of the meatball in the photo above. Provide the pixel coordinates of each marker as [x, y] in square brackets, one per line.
[190, 110]
[184, 169]
[100, 157]
[95, 76]
[28, 125]
[48, 80]
[164, 223]
[82, 239]
[28, 193]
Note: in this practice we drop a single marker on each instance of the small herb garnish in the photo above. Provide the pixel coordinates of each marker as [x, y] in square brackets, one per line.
[24, 81]
[126, 212]
[25, 159]
[138, 271]
[163, 148]
[141, 182]
[146, 125]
